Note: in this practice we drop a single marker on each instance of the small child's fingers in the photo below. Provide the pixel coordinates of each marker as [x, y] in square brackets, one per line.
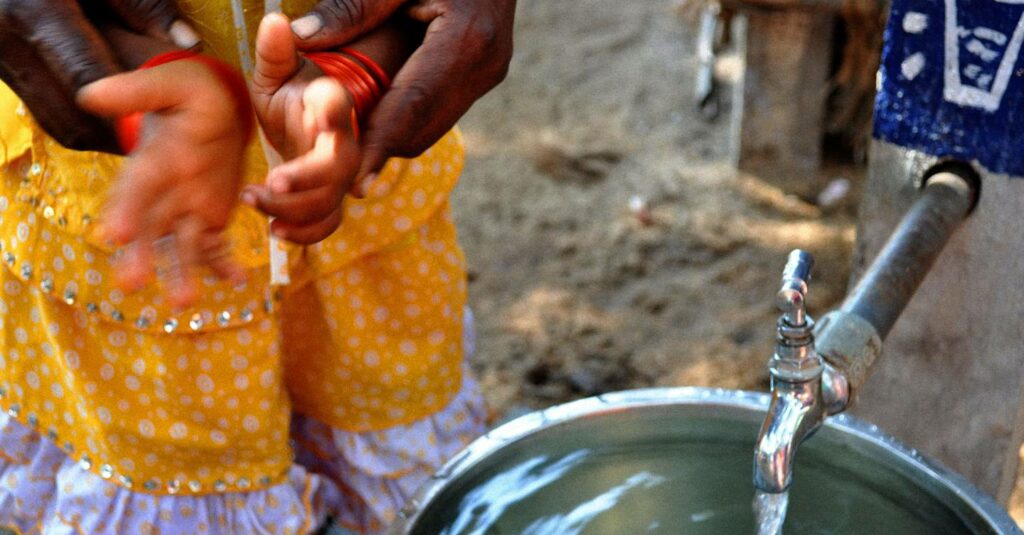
[141, 186]
[187, 237]
[135, 266]
[182, 291]
[124, 213]
[308, 234]
[301, 207]
[131, 92]
[250, 195]
[310, 170]
[330, 161]
[163, 215]
[216, 254]
[369, 186]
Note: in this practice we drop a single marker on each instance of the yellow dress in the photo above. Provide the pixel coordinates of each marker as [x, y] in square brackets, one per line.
[366, 337]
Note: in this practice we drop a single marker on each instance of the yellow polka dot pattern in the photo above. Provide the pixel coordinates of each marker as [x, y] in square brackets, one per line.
[382, 340]
[381, 300]
[156, 411]
[367, 336]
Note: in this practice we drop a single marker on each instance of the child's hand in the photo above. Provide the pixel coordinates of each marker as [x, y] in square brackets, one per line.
[182, 179]
[307, 117]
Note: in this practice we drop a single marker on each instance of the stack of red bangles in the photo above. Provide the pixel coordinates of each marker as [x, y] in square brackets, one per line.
[362, 77]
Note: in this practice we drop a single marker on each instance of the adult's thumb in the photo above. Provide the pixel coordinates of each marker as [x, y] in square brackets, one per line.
[336, 22]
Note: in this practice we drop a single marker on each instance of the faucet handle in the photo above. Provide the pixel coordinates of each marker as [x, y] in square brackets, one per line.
[791, 296]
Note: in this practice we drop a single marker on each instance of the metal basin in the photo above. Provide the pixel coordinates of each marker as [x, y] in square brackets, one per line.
[678, 460]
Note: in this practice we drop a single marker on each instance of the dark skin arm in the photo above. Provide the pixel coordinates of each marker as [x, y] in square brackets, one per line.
[391, 44]
[465, 53]
[132, 49]
[51, 49]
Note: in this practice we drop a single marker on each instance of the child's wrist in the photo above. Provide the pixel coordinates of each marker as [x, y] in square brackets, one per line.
[360, 76]
[128, 127]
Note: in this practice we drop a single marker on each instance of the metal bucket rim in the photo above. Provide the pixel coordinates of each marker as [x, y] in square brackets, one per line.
[535, 422]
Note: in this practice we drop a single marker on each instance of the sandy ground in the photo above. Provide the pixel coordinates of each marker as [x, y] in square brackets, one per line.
[575, 293]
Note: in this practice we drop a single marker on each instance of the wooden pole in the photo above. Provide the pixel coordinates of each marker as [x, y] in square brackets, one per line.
[778, 112]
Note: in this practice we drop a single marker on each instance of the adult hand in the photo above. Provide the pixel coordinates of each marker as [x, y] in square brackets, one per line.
[51, 49]
[465, 53]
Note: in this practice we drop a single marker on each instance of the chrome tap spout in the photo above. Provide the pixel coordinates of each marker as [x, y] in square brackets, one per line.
[794, 414]
[804, 389]
[797, 410]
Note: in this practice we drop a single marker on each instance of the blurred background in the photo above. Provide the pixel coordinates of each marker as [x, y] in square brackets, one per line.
[623, 223]
[612, 242]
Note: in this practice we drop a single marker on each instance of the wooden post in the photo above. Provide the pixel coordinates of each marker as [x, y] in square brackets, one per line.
[779, 106]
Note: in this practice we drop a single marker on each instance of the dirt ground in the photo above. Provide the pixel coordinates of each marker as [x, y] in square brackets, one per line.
[576, 292]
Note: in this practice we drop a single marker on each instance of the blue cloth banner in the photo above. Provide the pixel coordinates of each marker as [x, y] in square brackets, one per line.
[952, 81]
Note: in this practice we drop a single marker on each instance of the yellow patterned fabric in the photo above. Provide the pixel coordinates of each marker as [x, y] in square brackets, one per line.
[367, 336]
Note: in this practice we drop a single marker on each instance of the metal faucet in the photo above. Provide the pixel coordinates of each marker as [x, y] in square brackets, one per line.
[818, 371]
[805, 389]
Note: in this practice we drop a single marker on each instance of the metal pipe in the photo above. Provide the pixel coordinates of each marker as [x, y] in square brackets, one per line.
[885, 289]
[850, 338]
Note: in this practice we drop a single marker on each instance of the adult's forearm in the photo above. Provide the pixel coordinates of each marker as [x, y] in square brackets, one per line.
[49, 49]
[50, 97]
[391, 44]
[132, 49]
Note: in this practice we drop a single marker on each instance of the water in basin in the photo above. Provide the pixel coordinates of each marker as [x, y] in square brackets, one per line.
[680, 461]
[671, 488]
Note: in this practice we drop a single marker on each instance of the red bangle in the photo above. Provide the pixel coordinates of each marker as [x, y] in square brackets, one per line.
[365, 90]
[129, 126]
[167, 57]
[127, 129]
[373, 66]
